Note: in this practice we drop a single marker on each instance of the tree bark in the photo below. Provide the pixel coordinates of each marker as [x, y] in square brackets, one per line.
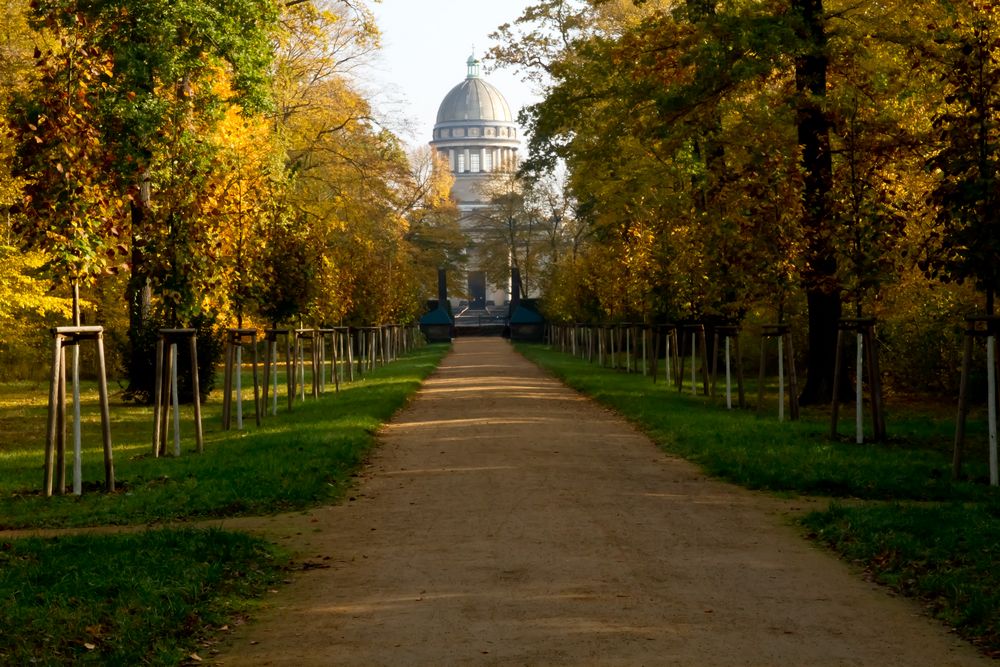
[140, 379]
[820, 271]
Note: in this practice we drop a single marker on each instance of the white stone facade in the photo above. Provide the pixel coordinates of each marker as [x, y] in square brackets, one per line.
[476, 134]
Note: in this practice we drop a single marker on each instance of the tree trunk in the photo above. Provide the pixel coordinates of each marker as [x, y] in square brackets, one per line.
[820, 272]
[140, 359]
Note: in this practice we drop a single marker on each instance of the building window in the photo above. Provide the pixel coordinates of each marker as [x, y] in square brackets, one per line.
[474, 162]
[461, 163]
[488, 161]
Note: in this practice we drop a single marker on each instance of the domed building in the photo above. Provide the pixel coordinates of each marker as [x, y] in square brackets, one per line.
[476, 134]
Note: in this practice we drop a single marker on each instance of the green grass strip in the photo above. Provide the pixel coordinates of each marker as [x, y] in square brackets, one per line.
[757, 451]
[131, 599]
[946, 556]
[294, 460]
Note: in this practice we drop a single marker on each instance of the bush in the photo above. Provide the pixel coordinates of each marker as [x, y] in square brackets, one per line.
[920, 330]
[139, 361]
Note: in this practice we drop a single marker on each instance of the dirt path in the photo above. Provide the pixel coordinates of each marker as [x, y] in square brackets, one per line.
[508, 521]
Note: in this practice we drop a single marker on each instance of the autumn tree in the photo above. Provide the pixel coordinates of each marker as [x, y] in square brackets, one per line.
[67, 208]
[368, 213]
[26, 296]
[165, 56]
[966, 47]
[432, 230]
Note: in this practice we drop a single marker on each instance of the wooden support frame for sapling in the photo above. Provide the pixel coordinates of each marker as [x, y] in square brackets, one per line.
[323, 335]
[786, 365]
[271, 368]
[166, 396]
[988, 328]
[236, 339]
[668, 334]
[866, 363]
[301, 336]
[55, 443]
[730, 335]
[693, 332]
[342, 345]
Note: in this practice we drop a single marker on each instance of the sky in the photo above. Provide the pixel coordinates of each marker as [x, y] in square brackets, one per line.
[425, 45]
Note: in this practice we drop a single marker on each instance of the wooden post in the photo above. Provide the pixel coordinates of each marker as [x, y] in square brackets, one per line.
[61, 448]
[235, 339]
[323, 335]
[271, 368]
[196, 397]
[835, 400]
[227, 383]
[667, 333]
[793, 382]
[102, 390]
[786, 369]
[54, 407]
[866, 365]
[729, 335]
[629, 346]
[693, 333]
[165, 389]
[350, 354]
[988, 328]
[55, 444]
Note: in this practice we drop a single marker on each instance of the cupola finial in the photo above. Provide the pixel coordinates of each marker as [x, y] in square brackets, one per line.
[473, 64]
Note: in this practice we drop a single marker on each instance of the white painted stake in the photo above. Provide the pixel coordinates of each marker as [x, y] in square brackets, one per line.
[177, 400]
[729, 388]
[781, 379]
[274, 366]
[239, 387]
[991, 393]
[77, 447]
[859, 425]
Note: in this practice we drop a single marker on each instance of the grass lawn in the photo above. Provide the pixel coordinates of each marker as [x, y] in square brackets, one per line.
[906, 523]
[154, 596]
[294, 460]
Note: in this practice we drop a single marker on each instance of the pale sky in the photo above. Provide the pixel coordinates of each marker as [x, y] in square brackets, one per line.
[425, 46]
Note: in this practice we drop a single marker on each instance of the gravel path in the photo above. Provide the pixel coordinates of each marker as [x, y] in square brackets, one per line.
[506, 520]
